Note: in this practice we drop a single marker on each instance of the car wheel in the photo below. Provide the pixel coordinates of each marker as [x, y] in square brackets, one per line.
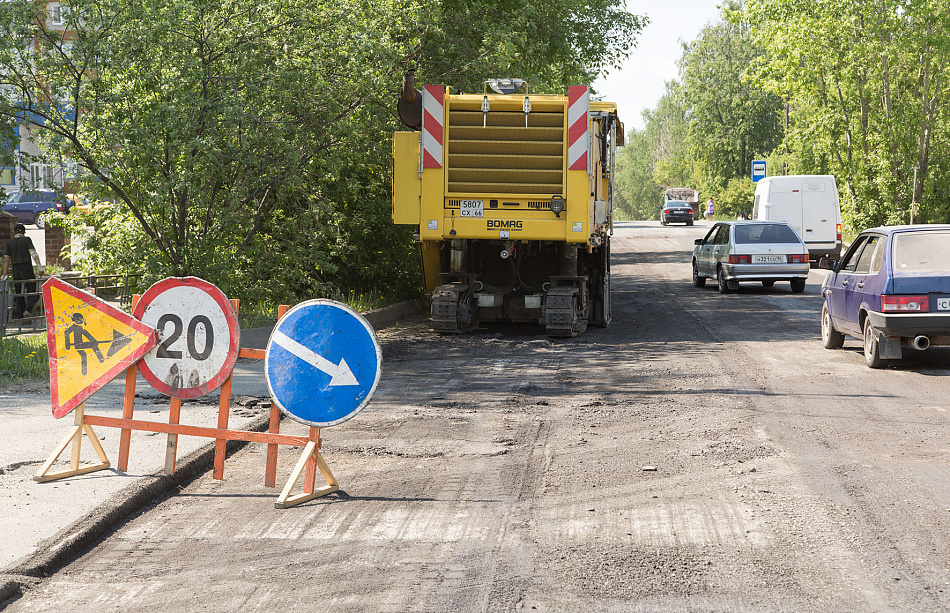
[768, 283]
[872, 353]
[721, 279]
[798, 285]
[689, 222]
[39, 221]
[698, 281]
[830, 338]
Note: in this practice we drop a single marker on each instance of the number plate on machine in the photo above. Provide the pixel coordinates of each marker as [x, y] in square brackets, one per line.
[943, 304]
[471, 208]
[768, 259]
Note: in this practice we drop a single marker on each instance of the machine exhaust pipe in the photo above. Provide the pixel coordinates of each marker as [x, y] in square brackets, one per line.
[409, 104]
[920, 342]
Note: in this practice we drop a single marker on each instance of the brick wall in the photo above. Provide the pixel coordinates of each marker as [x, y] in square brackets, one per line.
[56, 239]
[7, 221]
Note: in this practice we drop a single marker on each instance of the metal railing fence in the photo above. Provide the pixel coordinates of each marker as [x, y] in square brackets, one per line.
[16, 295]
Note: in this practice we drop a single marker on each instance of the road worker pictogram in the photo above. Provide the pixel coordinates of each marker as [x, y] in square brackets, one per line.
[90, 342]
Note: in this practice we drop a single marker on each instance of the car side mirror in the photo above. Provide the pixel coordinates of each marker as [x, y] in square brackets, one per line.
[699, 241]
[828, 264]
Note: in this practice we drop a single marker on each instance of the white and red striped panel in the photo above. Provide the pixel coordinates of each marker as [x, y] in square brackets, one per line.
[433, 115]
[578, 120]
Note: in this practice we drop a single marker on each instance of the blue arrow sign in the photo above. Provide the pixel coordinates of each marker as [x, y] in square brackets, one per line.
[322, 363]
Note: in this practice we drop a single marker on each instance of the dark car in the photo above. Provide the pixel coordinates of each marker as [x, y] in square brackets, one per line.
[676, 211]
[891, 290]
[28, 207]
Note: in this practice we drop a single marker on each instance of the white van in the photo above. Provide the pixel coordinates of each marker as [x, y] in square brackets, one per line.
[808, 203]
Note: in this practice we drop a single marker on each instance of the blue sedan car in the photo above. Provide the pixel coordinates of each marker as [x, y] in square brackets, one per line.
[891, 289]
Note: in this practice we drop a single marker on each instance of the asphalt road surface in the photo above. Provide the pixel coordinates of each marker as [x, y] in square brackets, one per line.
[703, 453]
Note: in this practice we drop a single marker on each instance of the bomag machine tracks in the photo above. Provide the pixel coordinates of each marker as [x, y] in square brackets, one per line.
[512, 193]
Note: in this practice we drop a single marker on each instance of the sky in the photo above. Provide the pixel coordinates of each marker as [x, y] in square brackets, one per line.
[640, 83]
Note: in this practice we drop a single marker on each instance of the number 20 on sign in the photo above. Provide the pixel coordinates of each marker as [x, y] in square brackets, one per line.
[198, 333]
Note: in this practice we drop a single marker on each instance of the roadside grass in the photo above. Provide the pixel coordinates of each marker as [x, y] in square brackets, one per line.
[257, 316]
[23, 359]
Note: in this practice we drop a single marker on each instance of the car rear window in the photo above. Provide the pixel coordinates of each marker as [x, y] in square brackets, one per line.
[921, 251]
[766, 233]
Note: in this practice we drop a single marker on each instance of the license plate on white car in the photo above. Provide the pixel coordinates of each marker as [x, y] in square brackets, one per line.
[471, 208]
[768, 259]
[943, 304]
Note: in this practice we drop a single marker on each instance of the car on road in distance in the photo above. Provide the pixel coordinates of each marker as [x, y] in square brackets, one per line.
[29, 206]
[891, 290]
[763, 251]
[676, 211]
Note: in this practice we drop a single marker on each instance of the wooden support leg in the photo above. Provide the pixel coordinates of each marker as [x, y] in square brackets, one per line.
[270, 469]
[75, 438]
[128, 405]
[224, 409]
[171, 451]
[310, 474]
[310, 456]
[221, 444]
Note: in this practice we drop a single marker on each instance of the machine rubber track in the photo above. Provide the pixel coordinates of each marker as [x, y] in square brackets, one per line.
[451, 311]
[563, 315]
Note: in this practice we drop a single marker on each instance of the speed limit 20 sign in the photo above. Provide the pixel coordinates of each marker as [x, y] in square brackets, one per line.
[198, 337]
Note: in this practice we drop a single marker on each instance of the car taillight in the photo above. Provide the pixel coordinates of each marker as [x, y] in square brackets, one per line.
[738, 259]
[838, 230]
[904, 304]
[798, 258]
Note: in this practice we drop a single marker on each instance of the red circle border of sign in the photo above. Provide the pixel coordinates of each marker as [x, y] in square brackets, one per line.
[218, 296]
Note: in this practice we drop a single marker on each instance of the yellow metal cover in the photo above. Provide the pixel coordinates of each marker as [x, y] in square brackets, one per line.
[407, 186]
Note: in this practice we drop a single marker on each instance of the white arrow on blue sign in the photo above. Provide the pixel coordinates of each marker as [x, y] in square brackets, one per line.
[322, 363]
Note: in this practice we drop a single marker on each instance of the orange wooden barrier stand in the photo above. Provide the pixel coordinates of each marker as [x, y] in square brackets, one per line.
[308, 464]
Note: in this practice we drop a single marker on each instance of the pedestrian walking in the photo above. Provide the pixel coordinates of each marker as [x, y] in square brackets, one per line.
[20, 251]
[710, 208]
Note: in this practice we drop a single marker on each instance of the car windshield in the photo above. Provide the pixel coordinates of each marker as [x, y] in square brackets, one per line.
[921, 251]
[765, 233]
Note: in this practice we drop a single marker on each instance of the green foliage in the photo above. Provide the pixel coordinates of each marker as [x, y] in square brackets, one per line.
[731, 122]
[552, 44]
[735, 199]
[637, 196]
[707, 128]
[23, 359]
[866, 82]
[249, 142]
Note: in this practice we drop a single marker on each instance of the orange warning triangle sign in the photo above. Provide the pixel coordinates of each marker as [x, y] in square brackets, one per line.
[90, 342]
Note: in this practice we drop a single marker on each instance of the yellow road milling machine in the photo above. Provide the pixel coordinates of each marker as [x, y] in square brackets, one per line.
[513, 197]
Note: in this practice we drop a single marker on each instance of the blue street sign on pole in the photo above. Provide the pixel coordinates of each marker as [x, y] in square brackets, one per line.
[322, 363]
[758, 170]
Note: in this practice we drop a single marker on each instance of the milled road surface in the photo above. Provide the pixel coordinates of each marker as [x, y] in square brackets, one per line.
[704, 453]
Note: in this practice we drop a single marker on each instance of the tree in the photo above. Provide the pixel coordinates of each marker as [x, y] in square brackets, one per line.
[869, 83]
[248, 142]
[638, 196]
[731, 122]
